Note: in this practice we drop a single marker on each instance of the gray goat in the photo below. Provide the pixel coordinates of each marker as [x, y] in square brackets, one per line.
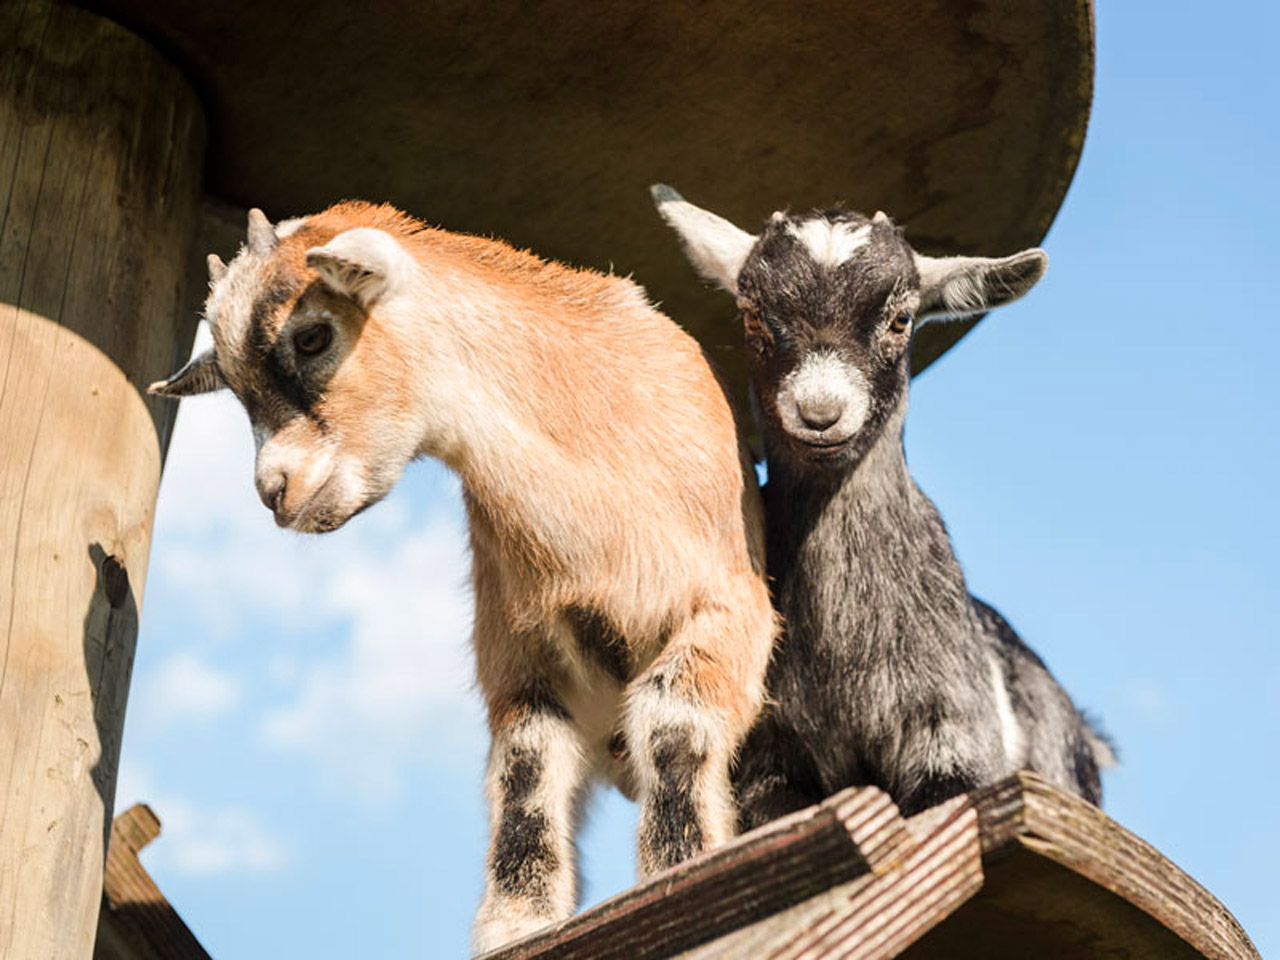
[891, 673]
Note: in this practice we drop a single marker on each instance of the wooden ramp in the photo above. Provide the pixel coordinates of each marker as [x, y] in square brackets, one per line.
[1016, 870]
[1013, 871]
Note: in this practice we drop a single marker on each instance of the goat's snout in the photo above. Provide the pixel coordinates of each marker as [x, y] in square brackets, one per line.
[823, 401]
[819, 413]
[272, 486]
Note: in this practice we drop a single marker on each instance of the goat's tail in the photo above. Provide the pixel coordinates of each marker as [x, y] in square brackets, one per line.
[1100, 744]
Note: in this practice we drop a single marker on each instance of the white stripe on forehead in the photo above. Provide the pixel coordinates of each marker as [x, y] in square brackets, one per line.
[830, 244]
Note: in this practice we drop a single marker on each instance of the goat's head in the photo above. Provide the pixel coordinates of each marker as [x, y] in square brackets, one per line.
[830, 301]
[324, 390]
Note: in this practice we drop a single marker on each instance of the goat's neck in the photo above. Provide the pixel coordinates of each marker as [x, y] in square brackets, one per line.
[869, 524]
[501, 404]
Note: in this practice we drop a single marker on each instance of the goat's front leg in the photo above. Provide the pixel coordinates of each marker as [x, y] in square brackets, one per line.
[685, 716]
[534, 786]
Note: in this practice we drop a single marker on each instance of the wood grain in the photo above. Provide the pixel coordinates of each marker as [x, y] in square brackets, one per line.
[100, 153]
[875, 915]
[854, 833]
[1025, 816]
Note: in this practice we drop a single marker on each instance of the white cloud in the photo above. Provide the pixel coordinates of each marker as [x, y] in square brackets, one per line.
[1152, 702]
[185, 687]
[398, 690]
[198, 839]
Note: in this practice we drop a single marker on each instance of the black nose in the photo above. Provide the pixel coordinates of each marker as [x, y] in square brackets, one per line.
[820, 414]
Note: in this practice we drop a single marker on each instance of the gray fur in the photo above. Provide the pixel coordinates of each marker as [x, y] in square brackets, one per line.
[891, 672]
[200, 375]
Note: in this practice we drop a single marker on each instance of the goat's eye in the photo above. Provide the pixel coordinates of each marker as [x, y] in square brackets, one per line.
[313, 339]
[901, 322]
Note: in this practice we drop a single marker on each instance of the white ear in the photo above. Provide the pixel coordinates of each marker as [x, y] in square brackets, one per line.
[715, 247]
[364, 264]
[201, 375]
[962, 286]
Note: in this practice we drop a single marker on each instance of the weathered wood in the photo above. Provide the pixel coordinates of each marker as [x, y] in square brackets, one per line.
[100, 152]
[1017, 870]
[1056, 862]
[137, 922]
[854, 833]
[876, 915]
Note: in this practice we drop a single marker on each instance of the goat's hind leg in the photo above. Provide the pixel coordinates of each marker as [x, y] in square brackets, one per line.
[685, 716]
[774, 775]
[534, 785]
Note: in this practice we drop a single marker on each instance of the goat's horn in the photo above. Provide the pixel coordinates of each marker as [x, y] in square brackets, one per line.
[262, 236]
[217, 269]
[881, 217]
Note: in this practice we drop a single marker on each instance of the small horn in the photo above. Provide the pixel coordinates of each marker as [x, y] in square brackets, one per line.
[881, 217]
[217, 269]
[262, 236]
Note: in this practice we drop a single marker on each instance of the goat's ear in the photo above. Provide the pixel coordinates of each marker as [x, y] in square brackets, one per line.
[715, 247]
[199, 376]
[364, 264]
[962, 286]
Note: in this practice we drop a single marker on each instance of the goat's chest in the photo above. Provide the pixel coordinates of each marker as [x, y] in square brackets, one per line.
[881, 645]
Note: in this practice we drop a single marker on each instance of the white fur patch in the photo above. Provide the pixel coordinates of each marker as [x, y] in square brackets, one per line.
[287, 227]
[824, 379]
[830, 244]
[1010, 731]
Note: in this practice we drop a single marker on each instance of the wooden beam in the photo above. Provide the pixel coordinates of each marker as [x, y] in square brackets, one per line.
[137, 922]
[101, 146]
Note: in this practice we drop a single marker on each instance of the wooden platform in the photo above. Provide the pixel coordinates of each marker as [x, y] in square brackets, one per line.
[1016, 870]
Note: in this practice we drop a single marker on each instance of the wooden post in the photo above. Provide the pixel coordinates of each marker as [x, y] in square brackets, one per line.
[101, 146]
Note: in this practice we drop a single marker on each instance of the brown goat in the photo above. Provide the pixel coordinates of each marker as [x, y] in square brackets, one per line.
[622, 622]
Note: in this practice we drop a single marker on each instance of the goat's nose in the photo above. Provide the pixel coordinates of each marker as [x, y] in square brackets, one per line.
[271, 488]
[820, 414]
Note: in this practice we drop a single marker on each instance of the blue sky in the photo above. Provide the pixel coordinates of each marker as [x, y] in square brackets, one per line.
[1104, 452]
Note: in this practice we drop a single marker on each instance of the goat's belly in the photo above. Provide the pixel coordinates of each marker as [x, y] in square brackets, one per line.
[596, 708]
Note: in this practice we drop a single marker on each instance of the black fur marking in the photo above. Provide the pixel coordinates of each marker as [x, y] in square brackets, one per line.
[522, 857]
[599, 640]
[520, 777]
[295, 390]
[674, 833]
[541, 699]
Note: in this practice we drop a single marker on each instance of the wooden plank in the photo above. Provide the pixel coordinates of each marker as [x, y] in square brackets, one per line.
[101, 143]
[854, 833]
[875, 915]
[1024, 815]
[137, 922]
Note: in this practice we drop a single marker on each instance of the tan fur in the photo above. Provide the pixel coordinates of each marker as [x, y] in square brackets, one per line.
[602, 471]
